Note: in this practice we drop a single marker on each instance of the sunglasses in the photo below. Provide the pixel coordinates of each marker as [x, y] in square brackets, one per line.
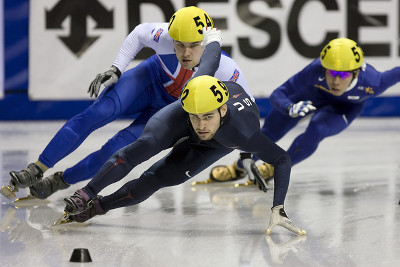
[342, 74]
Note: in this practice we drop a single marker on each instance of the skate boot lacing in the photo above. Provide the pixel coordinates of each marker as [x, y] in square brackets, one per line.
[26, 177]
[79, 202]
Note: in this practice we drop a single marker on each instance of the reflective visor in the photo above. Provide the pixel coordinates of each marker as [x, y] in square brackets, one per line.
[342, 74]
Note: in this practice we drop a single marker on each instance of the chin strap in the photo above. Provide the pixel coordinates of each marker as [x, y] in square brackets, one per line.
[352, 84]
[222, 119]
[355, 80]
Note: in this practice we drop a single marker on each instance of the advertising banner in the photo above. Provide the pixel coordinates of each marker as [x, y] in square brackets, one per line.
[73, 40]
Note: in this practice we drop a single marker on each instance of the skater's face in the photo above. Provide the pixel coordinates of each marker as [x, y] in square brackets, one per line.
[339, 81]
[188, 54]
[207, 124]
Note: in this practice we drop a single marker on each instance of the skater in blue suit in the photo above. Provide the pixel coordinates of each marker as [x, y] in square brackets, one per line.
[333, 88]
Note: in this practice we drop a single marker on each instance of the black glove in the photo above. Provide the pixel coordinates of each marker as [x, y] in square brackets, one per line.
[106, 78]
[252, 171]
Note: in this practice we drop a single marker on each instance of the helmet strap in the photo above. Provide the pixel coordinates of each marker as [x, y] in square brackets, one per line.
[222, 119]
[353, 82]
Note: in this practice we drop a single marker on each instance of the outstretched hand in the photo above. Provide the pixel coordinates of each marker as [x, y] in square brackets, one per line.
[106, 78]
[252, 171]
[211, 35]
[301, 108]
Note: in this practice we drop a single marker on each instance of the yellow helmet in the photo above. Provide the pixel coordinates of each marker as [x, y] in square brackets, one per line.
[186, 25]
[342, 54]
[203, 94]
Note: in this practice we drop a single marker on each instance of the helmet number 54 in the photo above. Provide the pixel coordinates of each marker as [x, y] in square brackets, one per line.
[198, 22]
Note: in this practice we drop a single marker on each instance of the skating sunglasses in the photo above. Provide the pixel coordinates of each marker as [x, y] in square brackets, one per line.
[342, 74]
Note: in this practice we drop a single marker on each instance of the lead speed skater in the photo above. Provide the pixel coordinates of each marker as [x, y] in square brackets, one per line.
[211, 119]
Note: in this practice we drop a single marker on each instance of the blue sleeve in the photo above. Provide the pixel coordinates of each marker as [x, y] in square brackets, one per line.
[381, 81]
[296, 89]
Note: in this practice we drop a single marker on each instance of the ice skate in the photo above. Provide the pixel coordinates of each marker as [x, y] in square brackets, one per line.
[267, 172]
[27, 177]
[48, 186]
[78, 202]
[224, 173]
[80, 208]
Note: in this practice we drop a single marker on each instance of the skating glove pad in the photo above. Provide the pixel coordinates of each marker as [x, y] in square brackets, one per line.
[211, 35]
[252, 171]
[106, 78]
[301, 108]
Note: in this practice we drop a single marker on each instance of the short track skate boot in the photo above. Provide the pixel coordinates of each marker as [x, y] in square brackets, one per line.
[89, 213]
[48, 186]
[94, 209]
[78, 203]
[224, 173]
[27, 177]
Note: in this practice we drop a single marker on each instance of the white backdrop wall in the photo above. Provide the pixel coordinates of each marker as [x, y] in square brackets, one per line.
[71, 41]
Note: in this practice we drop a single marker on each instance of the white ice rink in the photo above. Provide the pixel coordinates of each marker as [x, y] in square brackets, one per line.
[346, 196]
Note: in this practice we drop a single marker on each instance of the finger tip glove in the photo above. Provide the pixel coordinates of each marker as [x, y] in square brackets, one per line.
[279, 218]
[211, 35]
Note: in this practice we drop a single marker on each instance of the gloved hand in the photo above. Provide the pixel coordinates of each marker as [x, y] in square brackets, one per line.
[211, 35]
[279, 217]
[253, 172]
[106, 78]
[301, 108]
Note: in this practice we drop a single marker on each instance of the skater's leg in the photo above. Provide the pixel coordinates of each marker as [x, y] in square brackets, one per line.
[90, 165]
[184, 162]
[162, 131]
[327, 121]
[127, 97]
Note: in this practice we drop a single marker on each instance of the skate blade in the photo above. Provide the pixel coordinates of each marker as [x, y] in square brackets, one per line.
[8, 192]
[30, 201]
[67, 220]
[208, 181]
[248, 183]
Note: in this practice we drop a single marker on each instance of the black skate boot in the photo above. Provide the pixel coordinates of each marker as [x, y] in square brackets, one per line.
[78, 202]
[80, 207]
[48, 186]
[27, 177]
[89, 213]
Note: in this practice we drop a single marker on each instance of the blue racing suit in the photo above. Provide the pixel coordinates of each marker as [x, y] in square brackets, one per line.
[333, 113]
